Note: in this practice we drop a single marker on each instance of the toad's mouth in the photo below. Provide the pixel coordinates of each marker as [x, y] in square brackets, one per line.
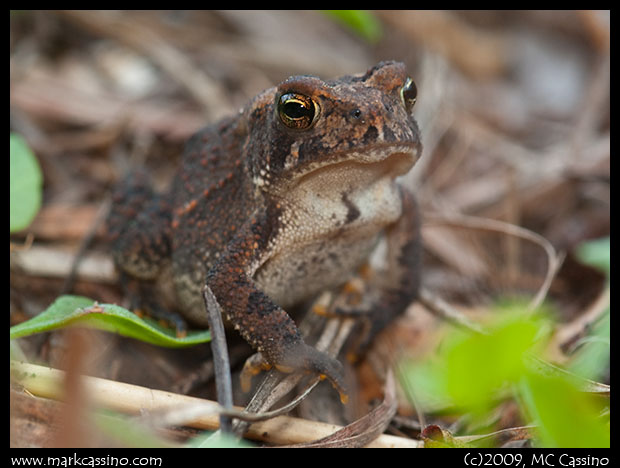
[361, 167]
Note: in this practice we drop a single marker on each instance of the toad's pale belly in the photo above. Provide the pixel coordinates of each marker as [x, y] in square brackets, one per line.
[325, 239]
[299, 274]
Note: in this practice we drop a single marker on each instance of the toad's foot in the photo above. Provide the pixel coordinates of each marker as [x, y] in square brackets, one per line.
[303, 357]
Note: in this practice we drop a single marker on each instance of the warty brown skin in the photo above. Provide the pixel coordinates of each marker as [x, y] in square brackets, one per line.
[268, 215]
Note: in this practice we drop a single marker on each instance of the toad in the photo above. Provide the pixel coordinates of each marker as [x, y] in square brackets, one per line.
[285, 199]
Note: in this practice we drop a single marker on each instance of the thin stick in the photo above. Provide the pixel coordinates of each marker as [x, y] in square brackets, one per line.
[442, 309]
[221, 362]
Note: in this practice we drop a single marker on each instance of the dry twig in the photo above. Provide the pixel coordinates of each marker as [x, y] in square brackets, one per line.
[132, 399]
[554, 261]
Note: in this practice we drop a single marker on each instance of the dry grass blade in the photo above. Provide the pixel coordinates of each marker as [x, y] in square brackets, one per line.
[365, 429]
[47, 97]
[56, 262]
[205, 90]
[22, 247]
[502, 436]
[585, 385]
[442, 309]
[554, 260]
[567, 333]
[478, 54]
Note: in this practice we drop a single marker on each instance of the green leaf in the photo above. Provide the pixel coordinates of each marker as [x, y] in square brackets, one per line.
[596, 253]
[217, 439]
[471, 370]
[479, 366]
[592, 359]
[565, 416]
[128, 432]
[68, 310]
[362, 22]
[25, 183]
[425, 382]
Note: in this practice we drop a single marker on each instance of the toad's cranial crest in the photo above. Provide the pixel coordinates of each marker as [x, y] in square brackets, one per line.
[280, 202]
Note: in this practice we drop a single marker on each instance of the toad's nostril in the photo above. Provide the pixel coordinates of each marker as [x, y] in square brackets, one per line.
[356, 113]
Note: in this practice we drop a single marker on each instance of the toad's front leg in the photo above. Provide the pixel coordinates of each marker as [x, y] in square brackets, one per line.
[262, 323]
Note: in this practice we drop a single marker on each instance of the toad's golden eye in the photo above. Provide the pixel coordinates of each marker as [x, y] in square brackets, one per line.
[409, 94]
[297, 111]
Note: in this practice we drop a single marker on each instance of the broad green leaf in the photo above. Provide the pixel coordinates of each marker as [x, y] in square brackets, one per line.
[596, 253]
[25, 183]
[470, 370]
[479, 366]
[424, 381]
[362, 22]
[565, 416]
[68, 310]
[128, 431]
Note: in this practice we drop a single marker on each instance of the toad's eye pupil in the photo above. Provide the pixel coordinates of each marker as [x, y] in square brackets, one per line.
[297, 111]
[409, 94]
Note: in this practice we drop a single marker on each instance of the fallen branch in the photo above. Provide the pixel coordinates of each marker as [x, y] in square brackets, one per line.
[132, 399]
